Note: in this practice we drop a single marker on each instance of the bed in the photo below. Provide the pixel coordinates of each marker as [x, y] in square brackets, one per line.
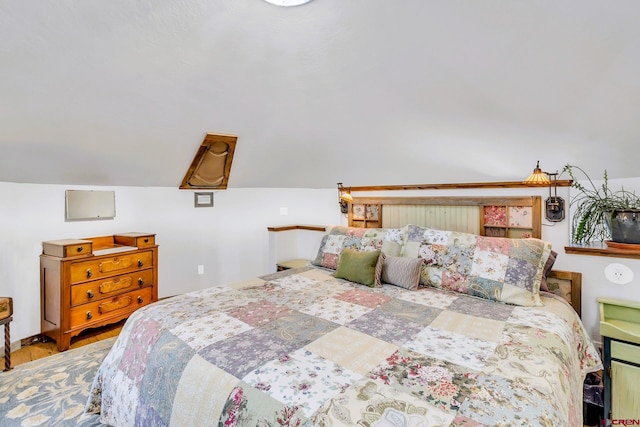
[379, 330]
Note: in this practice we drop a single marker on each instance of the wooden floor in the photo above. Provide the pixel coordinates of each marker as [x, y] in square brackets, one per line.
[43, 349]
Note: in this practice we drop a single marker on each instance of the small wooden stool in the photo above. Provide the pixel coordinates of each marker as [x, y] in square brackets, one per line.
[6, 311]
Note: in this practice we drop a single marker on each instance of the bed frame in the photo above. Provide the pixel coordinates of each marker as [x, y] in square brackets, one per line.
[514, 217]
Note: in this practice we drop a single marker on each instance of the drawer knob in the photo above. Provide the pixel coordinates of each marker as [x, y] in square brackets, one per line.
[89, 315]
[140, 300]
[141, 281]
[146, 240]
[90, 293]
[79, 249]
[89, 273]
[140, 263]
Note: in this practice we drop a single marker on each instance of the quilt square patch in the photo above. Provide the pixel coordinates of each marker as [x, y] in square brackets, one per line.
[456, 348]
[301, 379]
[134, 358]
[250, 406]
[364, 298]
[201, 386]
[481, 308]
[391, 329]
[298, 328]
[260, 313]
[161, 380]
[243, 353]
[432, 298]
[352, 349]
[201, 332]
[489, 265]
[412, 312]
[475, 327]
[336, 311]
[367, 403]
[295, 282]
[495, 406]
[443, 384]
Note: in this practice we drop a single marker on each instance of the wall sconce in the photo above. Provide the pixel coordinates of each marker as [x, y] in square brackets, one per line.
[554, 205]
[344, 198]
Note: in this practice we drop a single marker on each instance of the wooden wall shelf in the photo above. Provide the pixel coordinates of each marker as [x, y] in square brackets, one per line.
[601, 249]
[456, 186]
[297, 227]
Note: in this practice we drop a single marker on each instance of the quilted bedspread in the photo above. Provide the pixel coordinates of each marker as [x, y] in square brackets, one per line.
[302, 348]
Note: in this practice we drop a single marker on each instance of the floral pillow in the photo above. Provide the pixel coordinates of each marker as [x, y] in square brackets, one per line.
[387, 240]
[494, 268]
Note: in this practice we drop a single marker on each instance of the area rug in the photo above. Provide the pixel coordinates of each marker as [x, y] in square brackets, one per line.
[52, 391]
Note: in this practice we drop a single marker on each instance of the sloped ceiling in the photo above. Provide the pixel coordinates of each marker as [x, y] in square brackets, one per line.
[366, 92]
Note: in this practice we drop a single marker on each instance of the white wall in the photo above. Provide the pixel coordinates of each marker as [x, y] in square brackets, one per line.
[231, 239]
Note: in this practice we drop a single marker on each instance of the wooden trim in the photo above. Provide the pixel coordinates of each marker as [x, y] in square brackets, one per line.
[276, 229]
[601, 249]
[576, 287]
[458, 186]
[448, 201]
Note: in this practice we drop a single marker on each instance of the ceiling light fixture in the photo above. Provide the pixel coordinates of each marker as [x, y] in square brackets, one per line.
[288, 2]
[554, 205]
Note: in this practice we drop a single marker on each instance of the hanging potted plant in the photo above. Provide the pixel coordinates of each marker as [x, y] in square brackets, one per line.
[603, 214]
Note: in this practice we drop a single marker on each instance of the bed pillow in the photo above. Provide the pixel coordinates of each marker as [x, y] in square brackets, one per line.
[398, 271]
[338, 238]
[494, 268]
[358, 266]
[547, 270]
[377, 282]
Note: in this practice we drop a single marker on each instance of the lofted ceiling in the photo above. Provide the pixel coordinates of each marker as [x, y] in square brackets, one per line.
[366, 92]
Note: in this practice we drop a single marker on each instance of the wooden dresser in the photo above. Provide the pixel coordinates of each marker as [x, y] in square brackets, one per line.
[95, 281]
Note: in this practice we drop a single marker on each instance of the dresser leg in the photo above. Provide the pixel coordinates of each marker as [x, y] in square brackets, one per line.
[64, 342]
[7, 346]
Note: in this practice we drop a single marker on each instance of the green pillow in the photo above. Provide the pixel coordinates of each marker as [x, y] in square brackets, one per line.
[358, 266]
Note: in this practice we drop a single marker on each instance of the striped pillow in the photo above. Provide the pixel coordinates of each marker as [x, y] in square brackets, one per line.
[403, 272]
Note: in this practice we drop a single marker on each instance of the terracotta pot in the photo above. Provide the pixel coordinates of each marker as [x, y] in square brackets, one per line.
[624, 225]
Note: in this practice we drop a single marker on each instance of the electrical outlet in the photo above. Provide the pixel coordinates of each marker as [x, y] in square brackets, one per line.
[201, 269]
[618, 273]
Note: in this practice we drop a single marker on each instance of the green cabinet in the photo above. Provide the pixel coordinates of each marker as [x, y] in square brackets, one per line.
[620, 330]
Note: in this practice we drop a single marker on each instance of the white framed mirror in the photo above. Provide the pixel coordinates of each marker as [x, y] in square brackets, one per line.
[89, 205]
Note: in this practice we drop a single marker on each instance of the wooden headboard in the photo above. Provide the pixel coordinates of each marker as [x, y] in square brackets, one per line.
[568, 285]
[514, 217]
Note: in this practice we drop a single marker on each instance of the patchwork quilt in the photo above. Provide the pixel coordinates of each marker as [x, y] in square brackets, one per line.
[302, 348]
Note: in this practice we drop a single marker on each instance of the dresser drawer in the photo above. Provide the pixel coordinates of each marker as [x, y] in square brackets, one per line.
[111, 307]
[139, 240]
[110, 286]
[107, 266]
[626, 352]
[67, 248]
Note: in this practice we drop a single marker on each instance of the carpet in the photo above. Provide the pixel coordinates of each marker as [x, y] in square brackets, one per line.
[52, 391]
